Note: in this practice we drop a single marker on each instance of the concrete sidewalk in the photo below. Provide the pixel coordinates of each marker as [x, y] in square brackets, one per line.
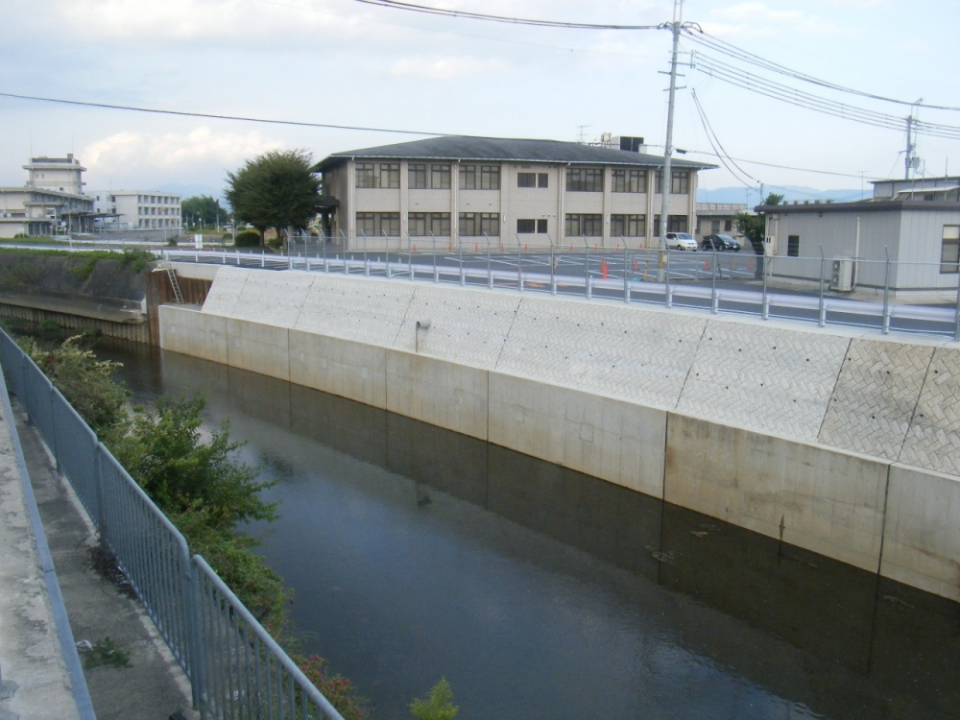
[36, 683]
[154, 686]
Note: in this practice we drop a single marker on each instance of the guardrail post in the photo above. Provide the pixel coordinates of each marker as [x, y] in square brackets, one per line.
[667, 290]
[886, 293]
[197, 660]
[553, 268]
[626, 280]
[956, 327]
[822, 317]
[489, 269]
[765, 301]
[587, 290]
[714, 298]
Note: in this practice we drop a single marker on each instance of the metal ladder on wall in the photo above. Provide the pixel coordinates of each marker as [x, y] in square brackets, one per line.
[174, 283]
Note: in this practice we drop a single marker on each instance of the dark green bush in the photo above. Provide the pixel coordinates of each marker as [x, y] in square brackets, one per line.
[247, 238]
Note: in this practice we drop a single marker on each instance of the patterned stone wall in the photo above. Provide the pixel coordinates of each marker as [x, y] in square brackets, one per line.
[891, 399]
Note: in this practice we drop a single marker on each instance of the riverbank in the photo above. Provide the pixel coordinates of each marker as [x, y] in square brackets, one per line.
[836, 442]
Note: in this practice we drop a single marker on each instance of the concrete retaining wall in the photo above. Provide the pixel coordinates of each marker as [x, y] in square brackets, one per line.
[812, 437]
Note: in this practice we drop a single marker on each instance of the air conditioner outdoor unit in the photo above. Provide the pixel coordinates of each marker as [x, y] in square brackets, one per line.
[842, 277]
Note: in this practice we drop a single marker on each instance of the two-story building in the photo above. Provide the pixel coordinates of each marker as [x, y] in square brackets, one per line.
[502, 191]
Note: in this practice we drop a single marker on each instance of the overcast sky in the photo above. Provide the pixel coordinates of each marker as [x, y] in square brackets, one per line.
[347, 63]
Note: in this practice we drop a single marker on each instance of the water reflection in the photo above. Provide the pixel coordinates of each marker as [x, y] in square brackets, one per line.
[540, 592]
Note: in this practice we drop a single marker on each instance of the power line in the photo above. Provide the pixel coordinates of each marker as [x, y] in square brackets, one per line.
[730, 50]
[240, 118]
[712, 136]
[754, 83]
[427, 10]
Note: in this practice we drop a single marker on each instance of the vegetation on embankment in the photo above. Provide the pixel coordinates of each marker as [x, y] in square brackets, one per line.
[203, 487]
[97, 274]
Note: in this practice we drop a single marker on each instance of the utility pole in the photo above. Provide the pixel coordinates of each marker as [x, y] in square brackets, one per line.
[910, 160]
[666, 184]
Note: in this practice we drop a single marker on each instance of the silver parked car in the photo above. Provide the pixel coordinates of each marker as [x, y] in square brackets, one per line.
[680, 241]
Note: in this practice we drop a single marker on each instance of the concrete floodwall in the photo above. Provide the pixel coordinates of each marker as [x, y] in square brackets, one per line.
[815, 438]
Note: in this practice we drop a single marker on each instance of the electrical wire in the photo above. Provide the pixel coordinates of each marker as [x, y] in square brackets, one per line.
[748, 81]
[697, 35]
[427, 10]
[717, 146]
[181, 113]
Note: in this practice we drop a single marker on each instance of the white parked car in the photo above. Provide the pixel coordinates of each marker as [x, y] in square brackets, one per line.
[680, 241]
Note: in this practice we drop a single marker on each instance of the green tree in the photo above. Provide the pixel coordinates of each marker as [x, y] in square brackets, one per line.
[754, 227]
[205, 208]
[275, 190]
[438, 705]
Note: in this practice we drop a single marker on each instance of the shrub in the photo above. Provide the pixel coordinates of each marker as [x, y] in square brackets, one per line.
[227, 236]
[438, 705]
[247, 238]
[86, 383]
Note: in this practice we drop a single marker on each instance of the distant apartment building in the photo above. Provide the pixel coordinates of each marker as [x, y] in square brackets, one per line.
[138, 209]
[51, 201]
[505, 191]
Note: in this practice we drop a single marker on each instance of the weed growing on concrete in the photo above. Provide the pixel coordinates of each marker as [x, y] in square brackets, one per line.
[104, 563]
[105, 652]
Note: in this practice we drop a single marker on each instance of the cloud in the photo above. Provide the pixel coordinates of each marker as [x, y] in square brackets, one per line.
[756, 19]
[443, 68]
[137, 153]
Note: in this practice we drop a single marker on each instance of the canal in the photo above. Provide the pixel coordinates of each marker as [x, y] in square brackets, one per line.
[544, 594]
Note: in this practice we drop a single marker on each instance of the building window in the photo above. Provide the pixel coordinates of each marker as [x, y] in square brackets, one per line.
[378, 175]
[421, 176]
[950, 250]
[588, 224]
[529, 180]
[440, 177]
[377, 224]
[542, 226]
[727, 225]
[389, 175]
[366, 175]
[417, 176]
[416, 224]
[585, 180]
[675, 223]
[680, 184]
[793, 246]
[629, 180]
[526, 226]
[476, 224]
[423, 224]
[479, 177]
[628, 225]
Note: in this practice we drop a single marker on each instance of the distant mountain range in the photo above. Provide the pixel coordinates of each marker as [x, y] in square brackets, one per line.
[790, 193]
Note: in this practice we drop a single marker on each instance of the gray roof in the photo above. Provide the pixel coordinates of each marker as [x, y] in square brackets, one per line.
[469, 148]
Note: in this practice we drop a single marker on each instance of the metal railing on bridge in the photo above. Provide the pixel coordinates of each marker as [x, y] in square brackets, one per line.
[857, 293]
[236, 669]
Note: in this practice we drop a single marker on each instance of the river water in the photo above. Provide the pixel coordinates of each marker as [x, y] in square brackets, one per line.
[544, 594]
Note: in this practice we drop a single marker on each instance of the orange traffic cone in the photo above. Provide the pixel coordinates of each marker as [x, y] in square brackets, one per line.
[476, 248]
[414, 248]
[603, 269]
